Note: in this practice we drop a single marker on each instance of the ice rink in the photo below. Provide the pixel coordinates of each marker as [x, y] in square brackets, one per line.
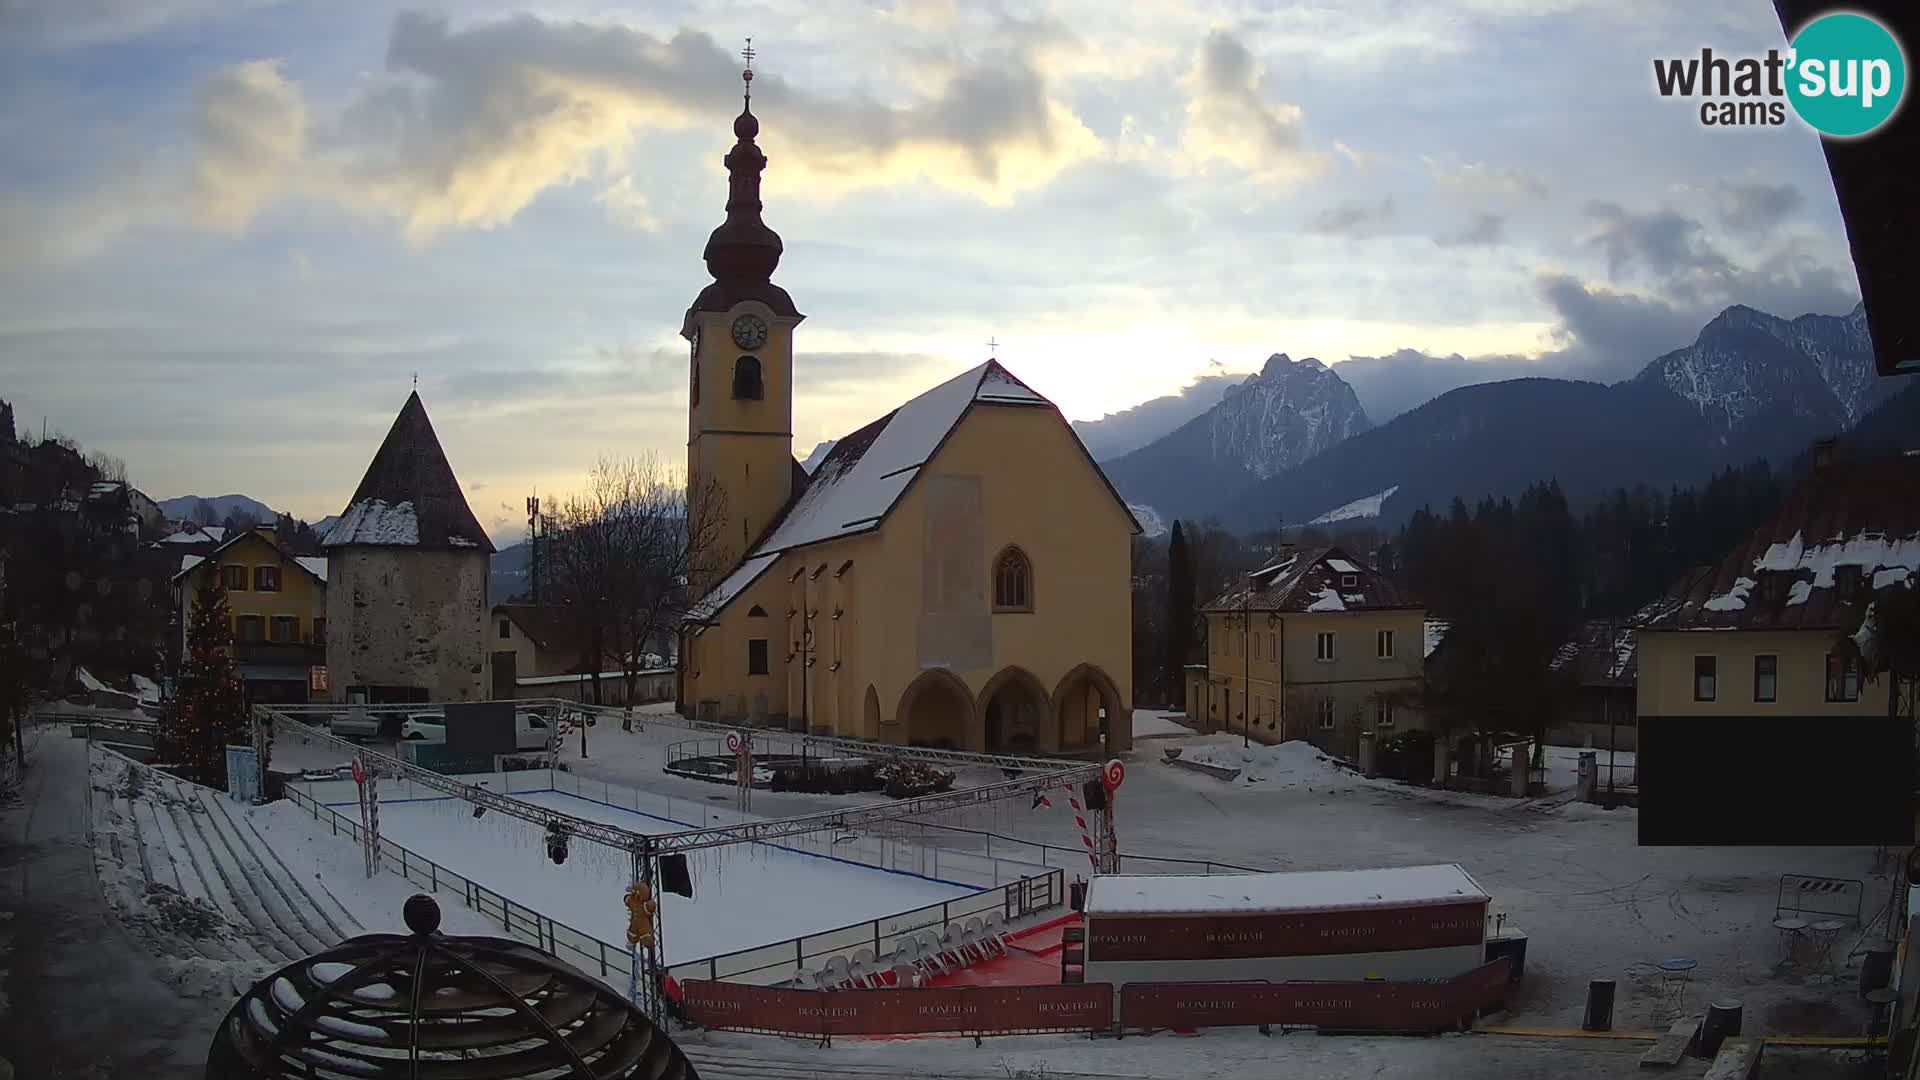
[744, 895]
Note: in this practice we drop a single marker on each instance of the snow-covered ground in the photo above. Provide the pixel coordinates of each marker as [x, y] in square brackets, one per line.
[1158, 723]
[744, 895]
[1288, 764]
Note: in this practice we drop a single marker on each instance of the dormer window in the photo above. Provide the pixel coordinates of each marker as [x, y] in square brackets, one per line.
[1846, 582]
[1349, 581]
[746, 379]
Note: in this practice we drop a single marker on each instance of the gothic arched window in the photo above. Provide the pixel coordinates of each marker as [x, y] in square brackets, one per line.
[1012, 581]
[746, 379]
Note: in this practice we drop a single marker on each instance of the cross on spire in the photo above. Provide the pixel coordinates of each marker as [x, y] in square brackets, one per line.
[746, 76]
[416, 380]
[991, 346]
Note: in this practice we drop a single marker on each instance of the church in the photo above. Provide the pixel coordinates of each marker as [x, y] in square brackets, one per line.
[957, 573]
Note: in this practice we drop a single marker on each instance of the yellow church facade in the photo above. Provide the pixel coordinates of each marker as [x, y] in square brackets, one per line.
[957, 573]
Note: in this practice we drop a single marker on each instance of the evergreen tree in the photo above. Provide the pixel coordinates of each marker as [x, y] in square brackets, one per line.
[1180, 614]
[210, 708]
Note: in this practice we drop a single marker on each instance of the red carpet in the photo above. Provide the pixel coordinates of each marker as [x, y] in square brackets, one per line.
[1032, 959]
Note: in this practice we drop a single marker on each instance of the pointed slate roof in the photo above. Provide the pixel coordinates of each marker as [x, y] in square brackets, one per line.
[409, 497]
[1308, 580]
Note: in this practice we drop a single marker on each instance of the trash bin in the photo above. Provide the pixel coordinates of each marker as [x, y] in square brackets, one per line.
[1876, 969]
[1077, 896]
[1723, 1020]
[1599, 1006]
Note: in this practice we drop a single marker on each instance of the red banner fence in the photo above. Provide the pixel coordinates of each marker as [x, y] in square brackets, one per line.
[1006, 1010]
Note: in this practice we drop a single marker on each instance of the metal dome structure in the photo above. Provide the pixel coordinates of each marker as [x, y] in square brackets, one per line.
[427, 1006]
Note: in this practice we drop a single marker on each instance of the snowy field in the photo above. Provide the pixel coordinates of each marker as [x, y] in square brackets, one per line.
[744, 895]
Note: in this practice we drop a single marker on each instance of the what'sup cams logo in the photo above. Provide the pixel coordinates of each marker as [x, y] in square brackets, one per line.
[1843, 74]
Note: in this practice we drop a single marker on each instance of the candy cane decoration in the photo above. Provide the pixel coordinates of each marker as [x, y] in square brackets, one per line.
[1080, 819]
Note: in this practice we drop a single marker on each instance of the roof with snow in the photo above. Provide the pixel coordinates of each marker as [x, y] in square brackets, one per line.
[1309, 890]
[1314, 580]
[862, 478]
[1601, 653]
[314, 565]
[409, 496]
[1847, 531]
[195, 534]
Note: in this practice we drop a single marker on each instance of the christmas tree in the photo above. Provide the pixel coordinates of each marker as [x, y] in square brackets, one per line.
[210, 709]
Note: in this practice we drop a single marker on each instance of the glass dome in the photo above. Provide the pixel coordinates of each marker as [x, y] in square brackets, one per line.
[427, 1006]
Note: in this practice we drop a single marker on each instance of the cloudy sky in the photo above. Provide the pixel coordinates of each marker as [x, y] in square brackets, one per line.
[235, 230]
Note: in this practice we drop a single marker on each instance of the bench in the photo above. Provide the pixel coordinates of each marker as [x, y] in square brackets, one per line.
[1668, 1049]
[1739, 1059]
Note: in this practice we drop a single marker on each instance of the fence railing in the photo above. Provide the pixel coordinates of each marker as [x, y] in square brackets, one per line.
[1001, 846]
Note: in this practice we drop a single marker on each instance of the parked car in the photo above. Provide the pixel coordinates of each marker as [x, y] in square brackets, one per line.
[355, 724]
[530, 729]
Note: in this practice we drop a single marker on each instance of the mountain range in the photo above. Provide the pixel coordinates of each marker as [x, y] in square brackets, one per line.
[185, 507]
[1291, 445]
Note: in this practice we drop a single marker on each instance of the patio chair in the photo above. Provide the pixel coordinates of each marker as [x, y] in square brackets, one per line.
[997, 930]
[865, 965]
[865, 975]
[905, 976]
[905, 951]
[975, 932]
[805, 980]
[952, 944]
[837, 975]
[932, 950]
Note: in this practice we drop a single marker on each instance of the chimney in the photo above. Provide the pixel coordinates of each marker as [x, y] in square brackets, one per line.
[1823, 455]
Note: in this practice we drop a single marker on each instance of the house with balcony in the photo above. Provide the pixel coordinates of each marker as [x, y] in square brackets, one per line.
[1317, 646]
[277, 603]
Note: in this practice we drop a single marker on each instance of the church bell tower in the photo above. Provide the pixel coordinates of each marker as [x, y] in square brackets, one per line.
[740, 466]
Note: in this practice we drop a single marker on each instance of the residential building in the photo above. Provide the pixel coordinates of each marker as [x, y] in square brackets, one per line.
[407, 563]
[955, 573]
[277, 610]
[1600, 665]
[1763, 633]
[1318, 646]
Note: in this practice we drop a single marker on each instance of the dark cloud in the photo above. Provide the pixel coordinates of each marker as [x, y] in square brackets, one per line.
[1665, 243]
[1485, 231]
[1756, 208]
[1400, 381]
[1352, 216]
[1614, 334]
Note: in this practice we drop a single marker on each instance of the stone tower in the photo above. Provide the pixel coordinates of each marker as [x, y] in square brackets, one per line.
[740, 392]
[407, 577]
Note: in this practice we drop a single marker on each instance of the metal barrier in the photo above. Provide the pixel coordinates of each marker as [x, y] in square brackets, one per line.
[1075, 858]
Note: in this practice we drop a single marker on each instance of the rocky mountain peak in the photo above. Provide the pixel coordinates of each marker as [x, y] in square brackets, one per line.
[1290, 411]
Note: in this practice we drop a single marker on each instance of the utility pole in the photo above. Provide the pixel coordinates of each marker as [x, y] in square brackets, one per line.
[533, 543]
[1246, 663]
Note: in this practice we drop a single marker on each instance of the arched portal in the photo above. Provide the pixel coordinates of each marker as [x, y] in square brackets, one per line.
[1013, 713]
[1077, 704]
[935, 710]
[870, 714]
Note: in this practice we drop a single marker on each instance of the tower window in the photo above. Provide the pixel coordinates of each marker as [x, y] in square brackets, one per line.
[1012, 581]
[746, 379]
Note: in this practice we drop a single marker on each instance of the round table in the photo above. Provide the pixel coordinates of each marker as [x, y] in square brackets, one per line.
[1674, 973]
[1791, 931]
[1824, 933]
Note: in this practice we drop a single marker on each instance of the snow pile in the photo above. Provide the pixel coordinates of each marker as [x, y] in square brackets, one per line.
[1156, 723]
[1288, 764]
[93, 684]
[375, 521]
[146, 689]
[1436, 632]
[1367, 507]
[1734, 599]
[1327, 599]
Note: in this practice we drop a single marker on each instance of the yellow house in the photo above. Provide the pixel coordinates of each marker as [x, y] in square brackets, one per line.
[955, 573]
[1318, 646]
[1763, 634]
[277, 605]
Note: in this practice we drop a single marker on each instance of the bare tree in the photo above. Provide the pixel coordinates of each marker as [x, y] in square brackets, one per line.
[622, 553]
[110, 468]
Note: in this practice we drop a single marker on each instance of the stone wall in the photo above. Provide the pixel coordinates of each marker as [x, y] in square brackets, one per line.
[407, 617]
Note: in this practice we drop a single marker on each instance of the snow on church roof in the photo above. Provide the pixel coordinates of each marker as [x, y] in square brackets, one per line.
[864, 474]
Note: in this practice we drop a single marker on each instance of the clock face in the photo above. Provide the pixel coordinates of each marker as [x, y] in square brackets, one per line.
[749, 331]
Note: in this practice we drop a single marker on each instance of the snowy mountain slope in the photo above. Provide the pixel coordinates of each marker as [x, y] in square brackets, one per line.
[1816, 371]
[1275, 420]
[819, 455]
[1367, 506]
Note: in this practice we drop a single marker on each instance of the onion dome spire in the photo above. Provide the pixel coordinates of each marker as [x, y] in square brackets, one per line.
[743, 248]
